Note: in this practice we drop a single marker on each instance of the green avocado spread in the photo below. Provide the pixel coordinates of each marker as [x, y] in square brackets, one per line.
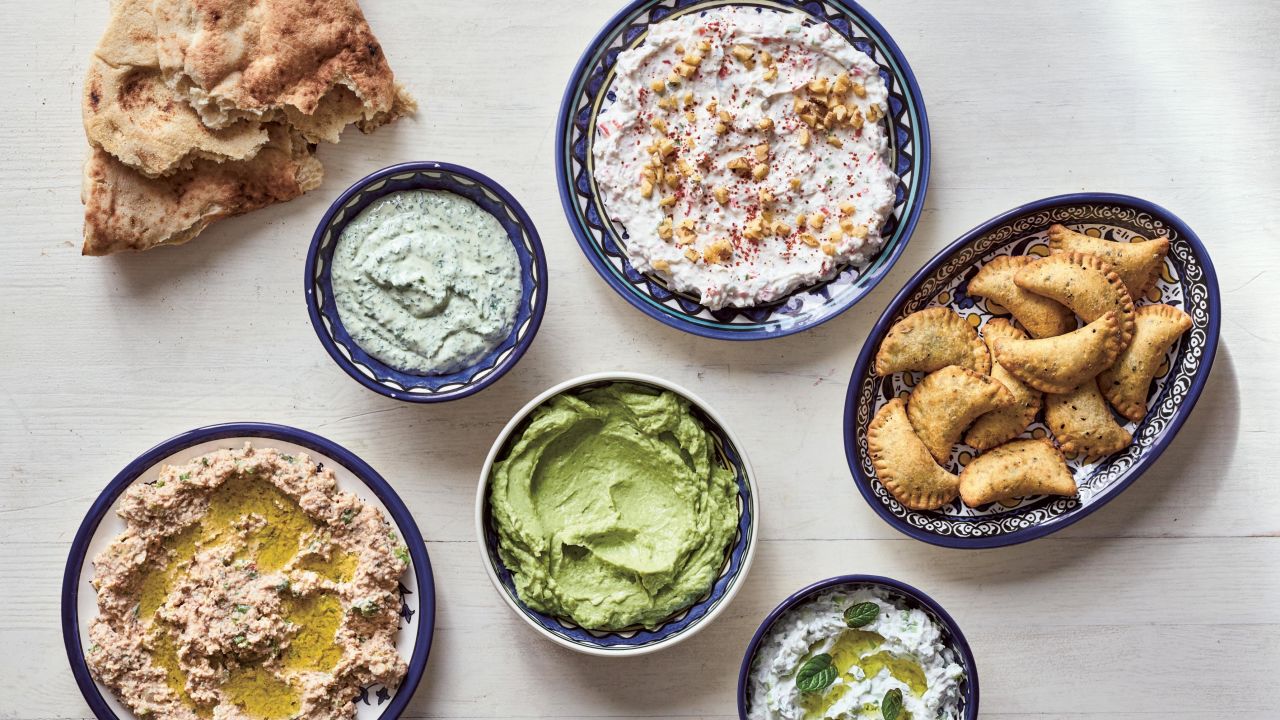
[612, 508]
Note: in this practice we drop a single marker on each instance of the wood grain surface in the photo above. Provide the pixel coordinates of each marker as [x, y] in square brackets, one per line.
[1163, 604]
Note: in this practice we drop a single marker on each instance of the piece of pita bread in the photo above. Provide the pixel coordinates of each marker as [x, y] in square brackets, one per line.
[903, 463]
[131, 113]
[314, 62]
[1005, 424]
[125, 210]
[1081, 422]
[1059, 364]
[1017, 469]
[1084, 283]
[1041, 316]
[929, 340]
[1137, 263]
[1125, 384]
[948, 401]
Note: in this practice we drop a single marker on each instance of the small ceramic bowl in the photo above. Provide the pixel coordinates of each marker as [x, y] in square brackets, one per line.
[911, 597]
[635, 641]
[101, 525]
[373, 373]
[1187, 282]
[604, 242]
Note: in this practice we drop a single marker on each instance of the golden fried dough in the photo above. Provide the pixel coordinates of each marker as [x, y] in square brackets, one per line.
[1125, 384]
[1016, 469]
[1041, 316]
[999, 426]
[1084, 283]
[904, 464]
[948, 401]
[929, 340]
[1137, 263]
[1059, 364]
[1081, 422]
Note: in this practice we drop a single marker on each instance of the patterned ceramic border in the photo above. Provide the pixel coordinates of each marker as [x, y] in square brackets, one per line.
[371, 372]
[588, 92]
[634, 640]
[417, 589]
[951, 635]
[1188, 282]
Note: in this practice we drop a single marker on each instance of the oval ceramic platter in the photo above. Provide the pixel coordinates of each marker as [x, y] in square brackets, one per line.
[102, 525]
[604, 241]
[1188, 282]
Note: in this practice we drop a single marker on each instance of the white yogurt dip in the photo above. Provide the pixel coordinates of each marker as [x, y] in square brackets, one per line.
[426, 281]
[900, 649]
[745, 155]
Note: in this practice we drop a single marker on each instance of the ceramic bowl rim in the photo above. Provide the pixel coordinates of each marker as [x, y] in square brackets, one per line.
[400, 516]
[959, 643]
[521, 415]
[881, 327]
[628, 293]
[330, 345]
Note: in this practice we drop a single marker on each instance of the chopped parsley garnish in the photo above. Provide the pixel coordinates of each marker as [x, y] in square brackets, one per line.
[348, 516]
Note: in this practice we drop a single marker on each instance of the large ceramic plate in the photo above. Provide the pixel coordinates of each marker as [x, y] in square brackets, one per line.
[604, 242]
[102, 525]
[1188, 282]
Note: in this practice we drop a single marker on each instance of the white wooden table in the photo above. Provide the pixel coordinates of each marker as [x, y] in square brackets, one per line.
[1163, 604]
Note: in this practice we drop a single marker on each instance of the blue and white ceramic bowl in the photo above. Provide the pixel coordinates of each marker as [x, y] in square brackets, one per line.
[373, 373]
[589, 92]
[911, 597]
[637, 641]
[1187, 282]
[102, 525]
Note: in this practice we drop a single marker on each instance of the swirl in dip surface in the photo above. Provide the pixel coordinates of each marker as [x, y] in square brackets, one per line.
[899, 649]
[745, 154]
[426, 281]
[612, 508]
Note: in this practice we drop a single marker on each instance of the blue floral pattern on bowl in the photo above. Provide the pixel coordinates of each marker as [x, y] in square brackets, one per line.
[603, 242]
[951, 635]
[373, 373]
[1187, 282]
[100, 526]
[636, 640]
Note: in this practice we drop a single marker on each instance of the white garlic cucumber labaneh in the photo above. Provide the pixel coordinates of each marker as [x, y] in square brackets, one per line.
[745, 154]
[830, 657]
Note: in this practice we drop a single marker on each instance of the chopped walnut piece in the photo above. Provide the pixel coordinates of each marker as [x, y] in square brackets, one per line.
[704, 45]
[835, 141]
[719, 251]
[665, 230]
[781, 229]
[667, 102]
[766, 196]
[692, 255]
[860, 90]
[856, 119]
[744, 54]
[770, 74]
[725, 117]
[801, 220]
[754, 229]
[688, 100]
[817, 220]
[685, 70]
[765, 123]
[766, 57]
[847, 208]
[760, 172]
[808, 239]
[658, 86]
[667, 201]
[692, 58]
[690, 116]
[721, 128]
[738, 165]
[666, 146]
[819, 86]
[846, 225]
[659, 124]
[841, 84]
[721, 194]
[795, 183]
[803, 137]
[761, 151]
[874, 113]
[646, 188]
[661, 265]
[859, 231]
[711, 107]
[829, 249]
[840, 112]
[835, 235]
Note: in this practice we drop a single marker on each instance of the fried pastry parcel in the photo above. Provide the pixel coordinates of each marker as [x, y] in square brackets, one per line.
[999, 426]
[1125, 384]
[1041, 316]
[903, 463]
[929, 340]
[1137, 263]
[948, 401]
[1016, 469]
[1059, 364]
[1082, 423]
[1084, 283]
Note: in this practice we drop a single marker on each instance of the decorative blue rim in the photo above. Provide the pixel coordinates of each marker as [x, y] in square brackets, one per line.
[621, 280]
[371, 372]
[683, 623]
[1144, 459]
[952, 635]
[399, 513]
